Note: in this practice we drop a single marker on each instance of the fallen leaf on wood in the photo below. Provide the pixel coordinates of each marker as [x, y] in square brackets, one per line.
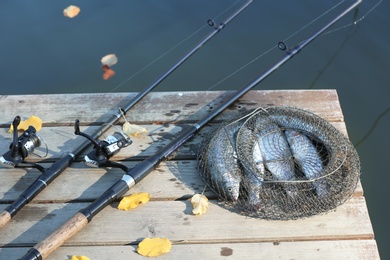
[34, 121]
[133, 130]
[154, 246]
[133, 201]
[200, 204]
[79, 257]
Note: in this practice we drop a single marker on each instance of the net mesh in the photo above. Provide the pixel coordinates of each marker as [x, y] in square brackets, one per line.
[279, 163]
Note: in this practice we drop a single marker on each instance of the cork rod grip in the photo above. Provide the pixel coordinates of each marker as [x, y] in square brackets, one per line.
[63, 233]
[5, 217]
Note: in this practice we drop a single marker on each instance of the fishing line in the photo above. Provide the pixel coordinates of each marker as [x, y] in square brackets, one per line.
[376, 122]
[349, 35]
[295, 33]
[372, 128]
[173, 48]
[357, 20]
[275, 46]
[46, 147]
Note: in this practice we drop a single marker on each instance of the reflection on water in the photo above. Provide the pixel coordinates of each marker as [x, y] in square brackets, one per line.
[45, 52]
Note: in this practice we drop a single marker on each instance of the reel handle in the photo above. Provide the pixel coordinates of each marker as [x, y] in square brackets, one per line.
[15, 146]
[78, 132]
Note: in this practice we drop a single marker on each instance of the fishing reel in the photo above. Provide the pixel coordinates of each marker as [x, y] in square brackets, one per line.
[104, 149]
[21, 147]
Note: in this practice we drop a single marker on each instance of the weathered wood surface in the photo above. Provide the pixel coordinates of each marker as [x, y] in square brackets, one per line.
[307, 250]
[344, 233]
[174, 219]
[161, 106]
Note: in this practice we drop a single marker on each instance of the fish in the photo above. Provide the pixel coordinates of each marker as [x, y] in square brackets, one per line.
[306, 156]
[305, 121]
[325, 133]
[253, 176]
[225, 171]
[276, 153]
[275, 149]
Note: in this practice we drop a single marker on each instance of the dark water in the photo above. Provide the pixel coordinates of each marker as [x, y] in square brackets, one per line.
[44, 52]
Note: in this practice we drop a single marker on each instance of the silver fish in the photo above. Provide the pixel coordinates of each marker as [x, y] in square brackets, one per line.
[225, 172]
[289, 118]
[275, 150]
[305, 121]
[276, 153]
[306, 156]
[253, 177]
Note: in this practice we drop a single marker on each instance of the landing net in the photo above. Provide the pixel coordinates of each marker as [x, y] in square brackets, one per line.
[279, 163]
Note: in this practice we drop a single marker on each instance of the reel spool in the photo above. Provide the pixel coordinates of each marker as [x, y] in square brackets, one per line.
[21, 147]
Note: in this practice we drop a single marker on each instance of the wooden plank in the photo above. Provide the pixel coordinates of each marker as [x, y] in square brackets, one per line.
[307, 250]
[61, 140]
[161, 106]
[174, 219]
[171, 180]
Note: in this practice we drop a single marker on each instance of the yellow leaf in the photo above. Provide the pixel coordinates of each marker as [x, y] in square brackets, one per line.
[132, 201]
[79, 257]
[154, 246]
[200, 203]
[71, 11]
[35, 121]
[134, 130]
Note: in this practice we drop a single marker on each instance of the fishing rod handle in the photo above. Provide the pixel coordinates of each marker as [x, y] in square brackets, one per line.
[57, 238]
[5, 217]
[35, 188]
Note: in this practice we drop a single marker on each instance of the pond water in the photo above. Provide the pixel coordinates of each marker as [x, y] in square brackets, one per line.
[43, 52]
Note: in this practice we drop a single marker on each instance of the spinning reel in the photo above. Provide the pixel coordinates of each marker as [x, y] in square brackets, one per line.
[104, 149]
[21, 147]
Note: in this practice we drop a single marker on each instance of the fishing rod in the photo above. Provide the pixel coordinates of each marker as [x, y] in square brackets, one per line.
[49, 174]
[136, 174]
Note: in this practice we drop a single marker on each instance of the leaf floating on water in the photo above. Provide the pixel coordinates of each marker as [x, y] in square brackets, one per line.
[154, 247]
[79, 257]
[200, 204]
[34, 121]
[133, 201]
[133, 130]
[71, 11]
[109, 60]
[108, 73]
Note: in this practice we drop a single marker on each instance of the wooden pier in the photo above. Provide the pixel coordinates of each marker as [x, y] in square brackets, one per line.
[344, 233]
